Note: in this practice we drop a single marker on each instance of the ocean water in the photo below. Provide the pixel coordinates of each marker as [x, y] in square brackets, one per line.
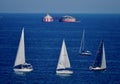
[43, 43]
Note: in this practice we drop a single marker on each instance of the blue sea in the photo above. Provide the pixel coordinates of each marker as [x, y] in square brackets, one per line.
[43, 43]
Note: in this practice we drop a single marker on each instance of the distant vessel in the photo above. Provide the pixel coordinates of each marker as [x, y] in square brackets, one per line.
[68, 19]
[48, 18]
[63, 63]
[100, 61]
[82, 50]
[20, 64]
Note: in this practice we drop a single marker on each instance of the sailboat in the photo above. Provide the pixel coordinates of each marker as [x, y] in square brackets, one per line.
[100, 62]
[63, 62]
[82, 50]
[20, 65]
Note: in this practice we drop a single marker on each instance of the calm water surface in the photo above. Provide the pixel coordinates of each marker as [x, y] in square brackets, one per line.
[43, 43]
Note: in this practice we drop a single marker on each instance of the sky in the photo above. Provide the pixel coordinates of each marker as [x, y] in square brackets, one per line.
[59, 6]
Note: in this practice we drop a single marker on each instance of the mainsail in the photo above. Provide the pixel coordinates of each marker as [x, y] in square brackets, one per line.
[82, 42]
[20, 58]
[100, 58]
[103, 65]
[63, 59]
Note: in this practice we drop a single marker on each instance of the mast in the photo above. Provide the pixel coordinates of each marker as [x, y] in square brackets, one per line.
[83, 39]
[20, 57]
[63, 58]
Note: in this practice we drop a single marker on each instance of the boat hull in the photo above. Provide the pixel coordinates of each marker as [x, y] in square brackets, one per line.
[64, 72]
[23, 70]
[86, 53]
[96, 68]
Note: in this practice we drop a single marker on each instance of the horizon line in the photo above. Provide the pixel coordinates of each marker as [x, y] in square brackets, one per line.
[52, 13]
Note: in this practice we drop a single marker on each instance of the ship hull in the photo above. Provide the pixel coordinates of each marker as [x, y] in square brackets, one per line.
[67, 21]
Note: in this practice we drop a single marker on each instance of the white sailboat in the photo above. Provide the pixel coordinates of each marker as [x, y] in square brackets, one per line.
[63, 62]
[82, 50]
[100, 62]
[20, 65]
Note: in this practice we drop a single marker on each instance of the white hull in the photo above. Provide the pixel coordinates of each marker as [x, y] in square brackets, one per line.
[64, 72]
[23, 70]
[86, 53]
[96, 68]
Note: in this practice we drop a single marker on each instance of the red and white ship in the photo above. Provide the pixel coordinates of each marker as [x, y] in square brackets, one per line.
[68, 19]
[48, 18]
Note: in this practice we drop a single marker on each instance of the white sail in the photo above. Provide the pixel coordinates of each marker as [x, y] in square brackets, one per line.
[103, 65]
[63, 59]
[82, 42]
[20, 58]
[100, 62]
